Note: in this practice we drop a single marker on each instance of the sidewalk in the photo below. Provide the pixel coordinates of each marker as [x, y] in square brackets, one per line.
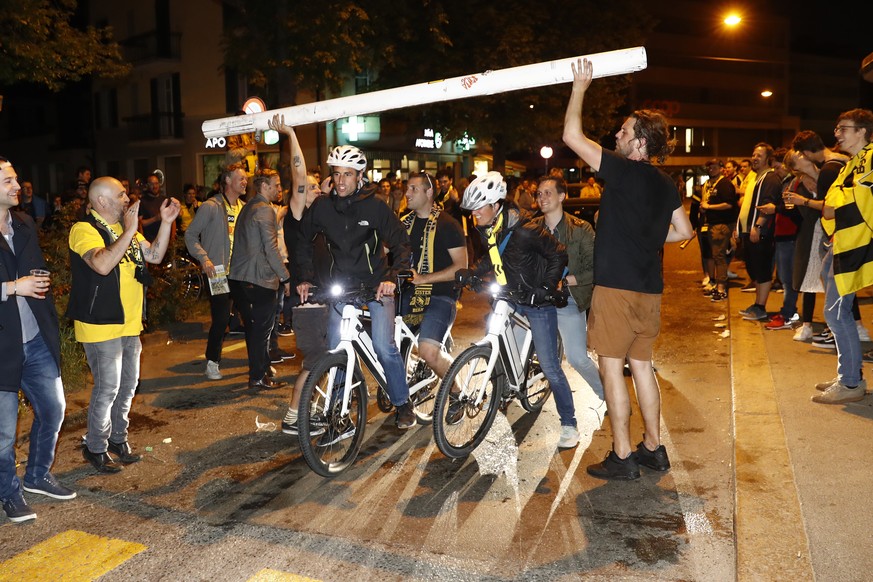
[802, 508]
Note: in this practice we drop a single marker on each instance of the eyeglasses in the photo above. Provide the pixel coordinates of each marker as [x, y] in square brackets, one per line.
[842, 128]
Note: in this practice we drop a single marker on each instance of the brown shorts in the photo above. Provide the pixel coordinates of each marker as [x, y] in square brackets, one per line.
[623, 323]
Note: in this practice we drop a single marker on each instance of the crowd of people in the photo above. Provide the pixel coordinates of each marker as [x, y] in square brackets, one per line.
[807, 210]
[802, 212]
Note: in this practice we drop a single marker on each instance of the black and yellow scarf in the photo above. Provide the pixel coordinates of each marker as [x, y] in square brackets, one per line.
[420, 299]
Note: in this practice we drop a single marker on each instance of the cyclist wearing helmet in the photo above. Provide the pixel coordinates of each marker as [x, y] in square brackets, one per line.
[523, 255]
[357, 226]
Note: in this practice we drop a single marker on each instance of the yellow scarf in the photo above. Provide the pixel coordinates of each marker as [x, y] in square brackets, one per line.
[493, 251]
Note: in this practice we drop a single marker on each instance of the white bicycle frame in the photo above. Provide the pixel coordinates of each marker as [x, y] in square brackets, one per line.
[356, 342]
[502, 336]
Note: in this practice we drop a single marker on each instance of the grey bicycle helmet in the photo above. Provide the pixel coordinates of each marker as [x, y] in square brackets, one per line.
[486, 189]
[347, 156]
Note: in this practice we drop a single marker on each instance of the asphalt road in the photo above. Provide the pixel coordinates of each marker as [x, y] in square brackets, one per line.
[222, 494]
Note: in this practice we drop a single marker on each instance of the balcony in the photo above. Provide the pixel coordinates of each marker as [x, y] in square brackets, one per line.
[153, 46]
[155, 125]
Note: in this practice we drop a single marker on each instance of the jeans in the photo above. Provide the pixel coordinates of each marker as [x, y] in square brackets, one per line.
[574, 333]
[785, 270]
[258, 308]
[219, 308]
[115, 367]
[838, 315]
[544, 328]
[382, 334]
[41, 383]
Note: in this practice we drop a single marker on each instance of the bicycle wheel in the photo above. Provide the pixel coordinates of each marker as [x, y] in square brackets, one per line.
[192, 277]
[330, 440]
[458, 431]
[424, 396]
[536, 387]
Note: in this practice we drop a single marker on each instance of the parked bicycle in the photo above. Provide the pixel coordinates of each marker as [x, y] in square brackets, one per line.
[333, 410]
[488, 375]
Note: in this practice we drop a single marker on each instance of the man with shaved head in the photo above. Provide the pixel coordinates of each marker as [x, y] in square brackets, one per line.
[107, 261]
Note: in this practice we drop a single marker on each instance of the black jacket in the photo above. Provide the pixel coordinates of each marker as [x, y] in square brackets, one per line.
[94, 298]
[27, 256]
[356, 229]
[533, 258]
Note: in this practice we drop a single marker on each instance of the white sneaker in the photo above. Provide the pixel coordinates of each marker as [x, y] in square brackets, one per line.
[705, 281]
[212, 371]
[803, 334]
[732, 275]
[569, 437]
[863, 334]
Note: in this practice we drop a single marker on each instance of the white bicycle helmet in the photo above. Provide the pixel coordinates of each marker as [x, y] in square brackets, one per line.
[486, 189]
[347, 156]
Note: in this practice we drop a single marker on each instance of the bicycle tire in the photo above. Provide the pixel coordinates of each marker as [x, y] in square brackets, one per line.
[536, 388]
[329, 459]
[458, 440]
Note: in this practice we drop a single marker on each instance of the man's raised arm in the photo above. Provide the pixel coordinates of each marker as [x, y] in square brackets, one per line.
[590, 151]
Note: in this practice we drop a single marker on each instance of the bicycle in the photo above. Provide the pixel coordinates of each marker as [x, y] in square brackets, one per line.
[332, 420]
[500, 367]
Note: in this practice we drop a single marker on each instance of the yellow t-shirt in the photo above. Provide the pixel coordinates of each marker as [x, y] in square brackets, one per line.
[232, 214]
[83, 238]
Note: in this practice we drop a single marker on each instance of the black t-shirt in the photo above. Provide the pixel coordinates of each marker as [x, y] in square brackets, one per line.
[448, 235]
[722, 192]
[635, 213]
[827, 175]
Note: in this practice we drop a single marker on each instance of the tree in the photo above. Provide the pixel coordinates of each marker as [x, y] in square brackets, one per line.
[283, 45]
[39, 44]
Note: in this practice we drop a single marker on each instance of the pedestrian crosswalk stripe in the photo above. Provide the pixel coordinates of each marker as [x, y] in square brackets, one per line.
[267, 575]
[70, 556]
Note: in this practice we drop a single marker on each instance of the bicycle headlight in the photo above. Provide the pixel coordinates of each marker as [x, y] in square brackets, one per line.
[494, 288]
[336, 290]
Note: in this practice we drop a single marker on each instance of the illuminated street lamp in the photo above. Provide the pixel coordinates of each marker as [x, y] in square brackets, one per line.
[546, 152]
[733, 19]
[766, 93]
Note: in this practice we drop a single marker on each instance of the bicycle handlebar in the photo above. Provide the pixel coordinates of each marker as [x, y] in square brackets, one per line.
[356, 296]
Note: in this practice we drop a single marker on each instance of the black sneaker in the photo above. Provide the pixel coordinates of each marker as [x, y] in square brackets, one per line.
[614, 467]
[285, 330]
[829, 343]
[455, 412]
[49, 487]
[656, 460]
[124, 453]
[824, 335]
[717, 296]
[17, 509]
[405, 416]
[291, 428]
[279, 355]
